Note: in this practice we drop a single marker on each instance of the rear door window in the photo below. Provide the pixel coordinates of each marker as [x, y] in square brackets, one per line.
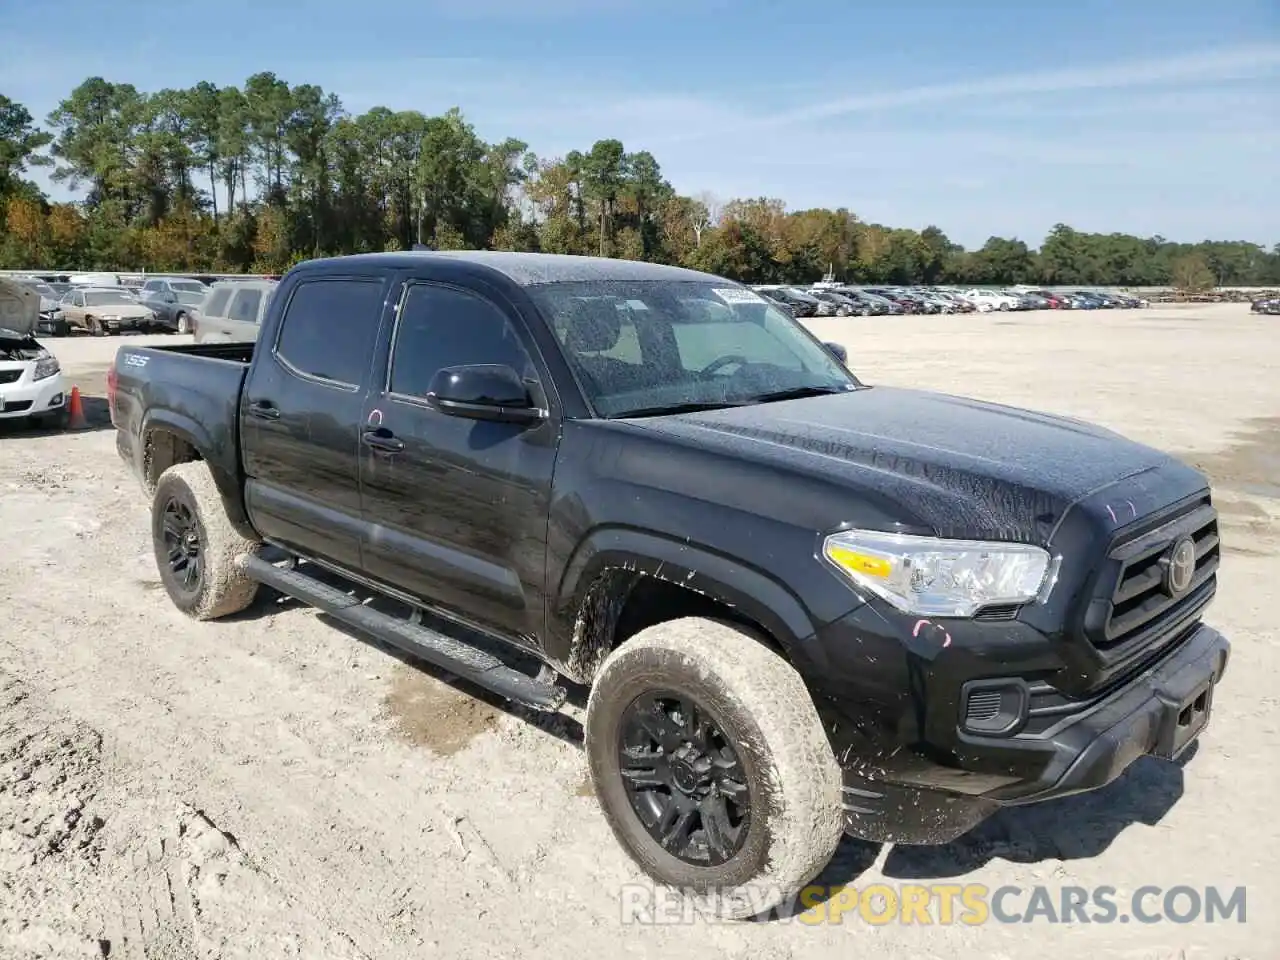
[329, 328]
[217, 305]
[244, 306]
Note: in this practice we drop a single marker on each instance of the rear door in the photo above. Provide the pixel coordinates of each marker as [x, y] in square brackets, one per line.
[301, 413]
[456, 514]
[210, 315]
[73, 308]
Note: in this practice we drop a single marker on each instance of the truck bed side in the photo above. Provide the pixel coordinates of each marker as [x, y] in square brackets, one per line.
[171, 404]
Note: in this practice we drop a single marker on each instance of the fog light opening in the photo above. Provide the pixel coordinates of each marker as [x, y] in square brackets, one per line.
[994, 708]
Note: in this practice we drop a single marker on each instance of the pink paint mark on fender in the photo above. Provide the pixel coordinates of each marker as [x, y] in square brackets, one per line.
[919, 624]
[1112, 513]
[947, 642]
[1133, 511]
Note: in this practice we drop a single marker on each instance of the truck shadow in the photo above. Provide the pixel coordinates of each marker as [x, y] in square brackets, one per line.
[558, 725]
[1072, 828]
[96, 413]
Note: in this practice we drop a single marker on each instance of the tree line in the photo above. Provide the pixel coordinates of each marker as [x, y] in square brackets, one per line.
[255, 178]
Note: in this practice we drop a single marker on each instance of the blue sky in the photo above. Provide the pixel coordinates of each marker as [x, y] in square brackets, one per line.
[983, 117]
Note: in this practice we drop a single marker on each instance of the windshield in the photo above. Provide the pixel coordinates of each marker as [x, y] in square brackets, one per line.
[187, 286]
[190, 297]
[100, 298]
[641, 347]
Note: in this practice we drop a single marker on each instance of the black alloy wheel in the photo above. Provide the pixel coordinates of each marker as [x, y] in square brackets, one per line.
[684, 778]
[184, 543]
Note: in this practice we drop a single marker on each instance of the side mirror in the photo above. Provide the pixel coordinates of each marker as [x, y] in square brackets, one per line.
[838, 351]
[483, 391]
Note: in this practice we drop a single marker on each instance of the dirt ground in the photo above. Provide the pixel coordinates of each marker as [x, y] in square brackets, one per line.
[272, 787]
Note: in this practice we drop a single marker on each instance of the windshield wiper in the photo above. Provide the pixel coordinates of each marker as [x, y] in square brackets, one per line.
[796, 393]
[692, 407]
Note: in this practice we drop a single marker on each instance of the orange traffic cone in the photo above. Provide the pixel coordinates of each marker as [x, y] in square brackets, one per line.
[76, 419]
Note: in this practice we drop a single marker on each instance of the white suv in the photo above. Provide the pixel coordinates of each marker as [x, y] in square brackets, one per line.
[988, 300]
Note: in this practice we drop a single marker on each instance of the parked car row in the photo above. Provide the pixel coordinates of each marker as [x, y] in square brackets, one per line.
[833, 300]
[227, 310]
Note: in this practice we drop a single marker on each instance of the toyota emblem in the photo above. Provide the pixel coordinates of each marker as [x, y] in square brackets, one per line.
[1180, 567]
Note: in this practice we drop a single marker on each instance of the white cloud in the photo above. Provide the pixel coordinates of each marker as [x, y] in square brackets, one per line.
[1210, 66]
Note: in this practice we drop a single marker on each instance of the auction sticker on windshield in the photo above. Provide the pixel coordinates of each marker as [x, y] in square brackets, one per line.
[737, 295]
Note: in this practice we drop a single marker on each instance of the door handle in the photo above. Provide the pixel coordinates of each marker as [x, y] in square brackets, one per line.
[264, 410]
[382, 439]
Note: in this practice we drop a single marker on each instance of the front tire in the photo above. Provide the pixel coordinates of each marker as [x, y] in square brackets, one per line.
[184, 323]
[96, 328]
[712, 766]
[196, 547]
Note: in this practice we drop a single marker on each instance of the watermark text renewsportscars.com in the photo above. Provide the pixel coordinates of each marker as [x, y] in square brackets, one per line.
[942, 904]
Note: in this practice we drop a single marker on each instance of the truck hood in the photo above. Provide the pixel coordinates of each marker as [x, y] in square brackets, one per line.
[19, 310]
[958, 467]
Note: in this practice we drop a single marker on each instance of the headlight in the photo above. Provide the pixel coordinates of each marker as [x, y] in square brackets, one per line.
[46, 367]
[931, 577]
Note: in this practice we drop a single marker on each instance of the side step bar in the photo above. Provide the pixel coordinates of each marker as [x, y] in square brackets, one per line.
[453, 655]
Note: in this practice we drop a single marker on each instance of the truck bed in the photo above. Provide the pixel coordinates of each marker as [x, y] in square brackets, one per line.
[189, 391]
[238, 352]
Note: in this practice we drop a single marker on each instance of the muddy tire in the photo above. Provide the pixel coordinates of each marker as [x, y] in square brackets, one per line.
[745, 764]
[96, 327]
[196, 547]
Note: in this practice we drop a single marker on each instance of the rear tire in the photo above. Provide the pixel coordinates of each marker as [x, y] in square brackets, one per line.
[196, 547]
[771, 826]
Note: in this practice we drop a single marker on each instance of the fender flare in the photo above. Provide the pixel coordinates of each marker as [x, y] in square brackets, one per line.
[198, 437]
[606, 551]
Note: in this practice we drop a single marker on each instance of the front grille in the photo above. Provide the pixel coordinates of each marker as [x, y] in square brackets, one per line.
[1049, 706]
[1140, 608]
[10, 376]
[16, 407]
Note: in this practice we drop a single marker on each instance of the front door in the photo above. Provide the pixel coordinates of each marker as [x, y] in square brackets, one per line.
[456, 510]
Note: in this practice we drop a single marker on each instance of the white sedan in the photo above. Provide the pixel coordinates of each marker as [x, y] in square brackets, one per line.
[31, 383]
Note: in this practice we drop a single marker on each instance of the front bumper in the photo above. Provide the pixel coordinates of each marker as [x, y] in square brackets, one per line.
[26, 397]
[1160, 712]
[116, 324]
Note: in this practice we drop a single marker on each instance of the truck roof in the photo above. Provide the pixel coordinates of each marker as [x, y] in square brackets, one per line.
[526, 269]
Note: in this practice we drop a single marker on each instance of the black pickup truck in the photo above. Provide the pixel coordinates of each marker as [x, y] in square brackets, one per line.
[803, 605]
